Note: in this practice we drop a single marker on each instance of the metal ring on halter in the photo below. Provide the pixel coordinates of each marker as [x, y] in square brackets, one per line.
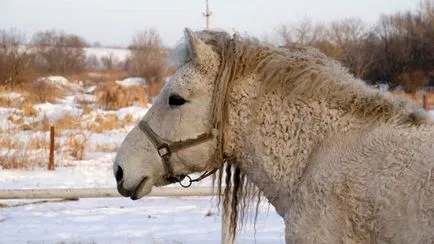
[188, 184]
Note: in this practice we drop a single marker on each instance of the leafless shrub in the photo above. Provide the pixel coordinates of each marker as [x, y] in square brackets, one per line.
[68, 122]
[351, 39]
[398, 50]
[113, 96]
[105, 123]
[76, 144]
[15, 61]
[29, 110]
[41, 91]
[302, 33]
[110, 62]
[148, 59]
[58, 52]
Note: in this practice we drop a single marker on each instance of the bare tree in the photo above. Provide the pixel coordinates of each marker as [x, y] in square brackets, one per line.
[147, 54]
[13, 57]
[110, 61]
[92, 62]
[351, 37]
[58, 52]
[148, 58]
[301, 33]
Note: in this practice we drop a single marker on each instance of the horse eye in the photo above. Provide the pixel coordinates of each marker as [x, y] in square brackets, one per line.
[176, 100]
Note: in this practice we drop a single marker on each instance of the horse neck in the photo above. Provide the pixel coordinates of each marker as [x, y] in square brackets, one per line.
[272, 135]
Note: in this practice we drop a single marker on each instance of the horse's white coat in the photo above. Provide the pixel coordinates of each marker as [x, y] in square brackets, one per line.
[341, 162]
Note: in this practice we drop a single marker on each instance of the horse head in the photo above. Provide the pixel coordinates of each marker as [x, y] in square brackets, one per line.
[175, 137]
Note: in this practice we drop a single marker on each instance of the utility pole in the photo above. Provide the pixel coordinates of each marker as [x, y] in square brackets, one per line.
[207, 15]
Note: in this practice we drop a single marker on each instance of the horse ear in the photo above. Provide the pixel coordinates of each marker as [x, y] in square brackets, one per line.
[197, 48]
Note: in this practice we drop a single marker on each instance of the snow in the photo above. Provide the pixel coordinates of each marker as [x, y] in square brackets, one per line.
[117, 220]
[103, 220]
[100, 52]
[110, 220]
[54, 112]
[90, 90]
[59, 82]
[132, 81]
[136, 112]
[12, 96]
[5, 113]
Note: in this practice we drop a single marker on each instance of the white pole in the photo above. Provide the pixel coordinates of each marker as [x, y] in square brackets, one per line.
[100, 192]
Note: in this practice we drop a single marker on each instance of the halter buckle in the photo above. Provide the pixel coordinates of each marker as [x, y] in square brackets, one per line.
[163, 150]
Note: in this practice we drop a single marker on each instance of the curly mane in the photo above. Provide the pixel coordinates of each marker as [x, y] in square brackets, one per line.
[297, 71]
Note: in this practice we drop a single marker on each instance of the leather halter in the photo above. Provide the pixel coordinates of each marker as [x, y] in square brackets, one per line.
[165, 150]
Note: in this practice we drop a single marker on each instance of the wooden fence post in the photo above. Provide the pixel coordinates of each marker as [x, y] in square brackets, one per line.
[51, 159]
[425, 102]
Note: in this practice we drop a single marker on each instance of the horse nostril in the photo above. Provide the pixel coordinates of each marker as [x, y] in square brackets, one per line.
[119, 174]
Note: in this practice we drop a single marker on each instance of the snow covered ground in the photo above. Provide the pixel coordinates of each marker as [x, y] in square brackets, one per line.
[119, 53]
[117, 220]
[106, 220]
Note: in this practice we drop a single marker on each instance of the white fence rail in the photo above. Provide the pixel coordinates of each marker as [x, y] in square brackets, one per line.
[112, 192]
[99, 193]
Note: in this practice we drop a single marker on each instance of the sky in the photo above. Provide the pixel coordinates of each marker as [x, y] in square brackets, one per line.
[114, 22]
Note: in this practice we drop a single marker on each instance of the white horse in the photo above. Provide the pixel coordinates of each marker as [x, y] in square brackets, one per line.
[339, 161]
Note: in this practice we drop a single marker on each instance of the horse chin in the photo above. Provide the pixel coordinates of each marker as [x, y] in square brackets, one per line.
[143, 189]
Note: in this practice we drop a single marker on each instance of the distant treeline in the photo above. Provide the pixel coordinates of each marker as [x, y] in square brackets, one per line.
[54, 52]
[398, 50]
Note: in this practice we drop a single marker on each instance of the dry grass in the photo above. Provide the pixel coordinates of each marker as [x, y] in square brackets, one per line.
[38, 142]
[104, 148]
[10, 102]
[86, 109]
[28, 109]
[22, 158]
[98, 77]
[40, 125]
[16, 118]
[113, 96]
[68, 122]
[105, 123]
[5, 102]
[76, 144]
[8, 142]
[14, 160]
[41, 92]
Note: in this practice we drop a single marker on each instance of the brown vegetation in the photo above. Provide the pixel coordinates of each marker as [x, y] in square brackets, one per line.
[41, 91]
[68, 122]
[148, 59]
[97, 77]
[105, 123]
[14, 61]
[398, 50]
[28, 109]
[113, 96]
[76, 144]
[58, 52]
[14, 160]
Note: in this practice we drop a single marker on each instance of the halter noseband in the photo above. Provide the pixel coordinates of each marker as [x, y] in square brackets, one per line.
[165, 150]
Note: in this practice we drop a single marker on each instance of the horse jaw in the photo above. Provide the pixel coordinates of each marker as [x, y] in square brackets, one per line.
[137, 177]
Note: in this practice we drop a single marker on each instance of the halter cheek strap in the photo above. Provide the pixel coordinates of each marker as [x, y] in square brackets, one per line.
[165, 150]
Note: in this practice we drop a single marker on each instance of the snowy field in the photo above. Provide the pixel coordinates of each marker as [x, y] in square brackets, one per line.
[117, 220]
[100, 220]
